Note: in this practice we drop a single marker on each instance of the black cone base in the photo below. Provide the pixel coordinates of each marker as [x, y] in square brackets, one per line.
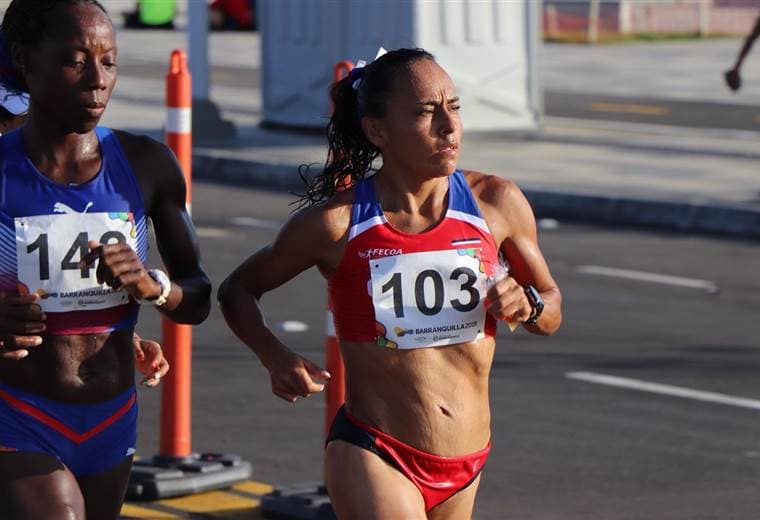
[163, 477]
[308, 501]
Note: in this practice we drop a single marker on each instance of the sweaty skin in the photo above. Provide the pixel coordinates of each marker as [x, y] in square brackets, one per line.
[71, 75]
[443, 415]
[96, 367]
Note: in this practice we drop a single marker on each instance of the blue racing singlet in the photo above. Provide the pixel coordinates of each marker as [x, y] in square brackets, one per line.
[45, 227]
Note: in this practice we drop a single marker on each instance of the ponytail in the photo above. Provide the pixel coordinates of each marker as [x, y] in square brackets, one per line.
[364, 92]
[349, 152]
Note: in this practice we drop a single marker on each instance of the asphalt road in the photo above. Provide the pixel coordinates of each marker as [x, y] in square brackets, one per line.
[564, 447]
[658, 109]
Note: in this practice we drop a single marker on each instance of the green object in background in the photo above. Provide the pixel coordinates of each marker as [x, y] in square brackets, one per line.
[156, 12]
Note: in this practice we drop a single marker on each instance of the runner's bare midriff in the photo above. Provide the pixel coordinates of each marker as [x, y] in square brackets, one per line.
[435, 399]
[83, 368]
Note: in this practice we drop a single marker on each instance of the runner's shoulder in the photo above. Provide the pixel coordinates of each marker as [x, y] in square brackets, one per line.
[325, 220]
[152, 162]
[142, 147]
[492, 190]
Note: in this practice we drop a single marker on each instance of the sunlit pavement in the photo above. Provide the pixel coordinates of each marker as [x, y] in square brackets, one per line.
[241, 501]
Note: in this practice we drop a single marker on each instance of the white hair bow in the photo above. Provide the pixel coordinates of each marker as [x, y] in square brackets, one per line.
[358, 70]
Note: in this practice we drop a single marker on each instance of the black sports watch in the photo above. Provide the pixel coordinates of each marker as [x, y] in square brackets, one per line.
[536, 303]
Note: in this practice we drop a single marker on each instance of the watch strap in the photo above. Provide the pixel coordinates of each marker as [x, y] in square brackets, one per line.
[162, 279]
[536, 304]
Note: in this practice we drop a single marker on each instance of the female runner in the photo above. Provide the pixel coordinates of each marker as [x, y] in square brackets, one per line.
[75, 199]
[409, 253]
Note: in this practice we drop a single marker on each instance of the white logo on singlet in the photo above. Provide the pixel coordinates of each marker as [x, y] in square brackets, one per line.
[374, 253]
[60, 207]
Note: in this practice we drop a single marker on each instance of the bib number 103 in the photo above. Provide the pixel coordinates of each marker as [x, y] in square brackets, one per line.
[428, 298]
[431, 303]
[77, 250]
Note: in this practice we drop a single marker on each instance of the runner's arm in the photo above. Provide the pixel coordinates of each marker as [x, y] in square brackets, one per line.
[189, 300]
[526, 262]
[296, 248]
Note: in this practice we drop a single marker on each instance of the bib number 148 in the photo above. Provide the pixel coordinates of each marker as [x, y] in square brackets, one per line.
[78, 250]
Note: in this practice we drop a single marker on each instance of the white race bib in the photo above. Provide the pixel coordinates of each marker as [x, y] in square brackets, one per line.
[49, 247]
[429, 299]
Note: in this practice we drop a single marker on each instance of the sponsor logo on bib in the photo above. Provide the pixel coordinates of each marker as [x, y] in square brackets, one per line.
[375, 253]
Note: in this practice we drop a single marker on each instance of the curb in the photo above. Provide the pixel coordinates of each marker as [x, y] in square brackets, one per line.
[684, 217]
[710, 219]
[240, 172]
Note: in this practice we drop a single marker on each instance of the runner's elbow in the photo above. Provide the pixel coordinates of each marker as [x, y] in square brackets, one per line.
[223, 292]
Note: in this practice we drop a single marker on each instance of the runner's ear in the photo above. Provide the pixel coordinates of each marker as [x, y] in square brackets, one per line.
[375, 131]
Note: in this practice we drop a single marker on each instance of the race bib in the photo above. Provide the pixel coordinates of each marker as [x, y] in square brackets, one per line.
[48, 251]
[429, 299]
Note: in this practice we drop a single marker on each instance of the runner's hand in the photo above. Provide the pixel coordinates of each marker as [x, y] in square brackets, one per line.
[294, 376]
[21, 324]
[149, 360]
[119, 267]
[506, 300]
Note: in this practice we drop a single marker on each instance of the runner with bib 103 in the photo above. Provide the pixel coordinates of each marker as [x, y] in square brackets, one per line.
[421, 261]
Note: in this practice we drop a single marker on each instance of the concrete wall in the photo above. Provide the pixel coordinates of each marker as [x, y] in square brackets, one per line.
[488, 47]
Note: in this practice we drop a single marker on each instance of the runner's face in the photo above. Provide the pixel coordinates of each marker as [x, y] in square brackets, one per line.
[421, 130]
[71, 73]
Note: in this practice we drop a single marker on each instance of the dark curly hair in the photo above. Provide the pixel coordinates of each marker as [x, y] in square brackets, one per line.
[25, 23]
[350, 154]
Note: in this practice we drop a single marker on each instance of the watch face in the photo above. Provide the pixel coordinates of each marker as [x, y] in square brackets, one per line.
[535, 299]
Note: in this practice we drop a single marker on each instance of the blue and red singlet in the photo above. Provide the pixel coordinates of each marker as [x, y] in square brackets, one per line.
[45, 227]
[408, 291]
[44, 230]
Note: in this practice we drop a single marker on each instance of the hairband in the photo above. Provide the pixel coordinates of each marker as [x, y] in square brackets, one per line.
[357, 73]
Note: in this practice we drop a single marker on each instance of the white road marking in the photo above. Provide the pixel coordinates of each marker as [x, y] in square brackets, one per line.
[293, 326]
[548, 223]
[213, 232]
[642, 276]
[257, 223]
[657, 388]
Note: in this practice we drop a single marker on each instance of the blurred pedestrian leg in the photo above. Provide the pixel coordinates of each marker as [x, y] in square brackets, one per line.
[733, 76]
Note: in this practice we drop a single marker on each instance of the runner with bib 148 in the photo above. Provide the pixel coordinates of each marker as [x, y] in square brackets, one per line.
[411, 253]
[75, 204]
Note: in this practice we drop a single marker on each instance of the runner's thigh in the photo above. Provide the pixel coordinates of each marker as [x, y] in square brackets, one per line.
[363, 486]
[104, 492]
[457, 506]
[37, 485]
